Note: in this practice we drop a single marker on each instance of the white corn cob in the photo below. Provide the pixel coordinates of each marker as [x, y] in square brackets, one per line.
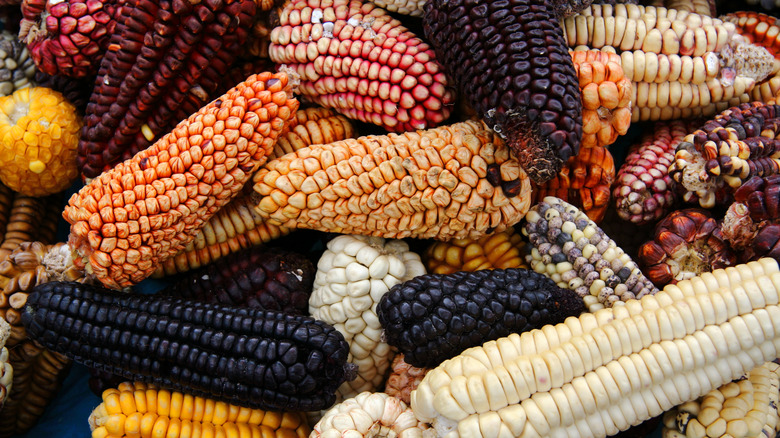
[369, 415]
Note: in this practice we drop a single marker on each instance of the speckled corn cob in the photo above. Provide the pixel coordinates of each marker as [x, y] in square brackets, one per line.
[606, 97]
[584, 181]
[716, 159]
[39, 133]
[500, 250]
[146, 85]
[743, 408]
[355, 58]
[643, 189]
[685, 244]
[353, 274]
[68, 37]
[237, 225]
[509, 59]
[263, 278]
[139, 409]
[16, 67]
[403, 379]
[434, 317]
[147, 209]
[370, 414]
[455, 181]
[578, 255]
[611, 369]
[752, 222]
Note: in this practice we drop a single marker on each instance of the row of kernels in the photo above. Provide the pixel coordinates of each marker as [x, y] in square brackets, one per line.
[641, 66]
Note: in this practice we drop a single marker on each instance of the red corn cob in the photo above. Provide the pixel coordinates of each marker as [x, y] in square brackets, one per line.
[752, 222]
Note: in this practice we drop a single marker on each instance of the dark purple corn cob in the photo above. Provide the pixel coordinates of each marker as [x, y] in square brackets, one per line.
[434, 317]
[260, 277]
[509, 58]
[165, 60]
[752, 222]
[249, 357]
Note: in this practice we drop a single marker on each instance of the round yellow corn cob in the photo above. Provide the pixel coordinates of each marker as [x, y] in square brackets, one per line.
[145, 210]
[39, 132]
[495, 251]
[138, 409]
[449, 182]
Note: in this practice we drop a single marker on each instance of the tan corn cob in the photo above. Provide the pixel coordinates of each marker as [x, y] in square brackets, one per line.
[237, 225]
[614, 368]
[6, 202]
[450, 182]
[145, 210]
[6, 369]
[500, 250]
[26, 221]
[138, 409]
[703, 7]
[744, 408]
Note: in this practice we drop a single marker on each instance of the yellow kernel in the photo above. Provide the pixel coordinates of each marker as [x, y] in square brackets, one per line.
[37, 166]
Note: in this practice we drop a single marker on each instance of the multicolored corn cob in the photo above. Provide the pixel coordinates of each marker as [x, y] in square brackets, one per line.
[643, 190]
[370, 414]
[510, 60]
[450, 182]
[499, 250]
[39, 133]
[572, 250]
[685, 244]
[584, 181]
[145, 210]
[403, 379]
[355, 58]
[726, 151]
[752, 222]
[139, 409]
[165, 60]
[16, 66]
[68, 37]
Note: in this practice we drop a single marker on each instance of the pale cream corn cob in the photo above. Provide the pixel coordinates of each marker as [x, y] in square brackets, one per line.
[370, 415]
[450, 182]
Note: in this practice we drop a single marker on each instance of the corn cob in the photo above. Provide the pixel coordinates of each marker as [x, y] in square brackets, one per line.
[237, 225]
[643, 190]
[685, 244]
[716, 159]
[434, 317]
[573, 251]
[370, 414]
[760, 29]
[455, 181]
[412, 8]
[751, 224]
[514, 69]
[701, 7]
[165, 60]
[137, 409]
[166, 193]
[355, 58]
[611, 369]
[352, 275]
[495, 251]
[263, 278]
[39, 131]
[250, 357]
[6, 369]
[17, 67]
[7, 197]
[75, 91]
[766, 4]
[403, 379]
[26, 219]
[744, 408]
[584, 181]
[606, 97]
[68, 37]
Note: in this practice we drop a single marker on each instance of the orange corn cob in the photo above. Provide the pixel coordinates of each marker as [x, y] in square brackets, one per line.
[445, 183]
[138, 409]
[238, 225]
[496, 251]
[584, 181]
[606, 97]
[145, 210]
[39, 133]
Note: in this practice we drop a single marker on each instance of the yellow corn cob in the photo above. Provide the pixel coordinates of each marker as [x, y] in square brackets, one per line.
[39, 133]
[145, 210]
[614, 368]
[450, 182]
[744, 408]
[500, 250]
[141, 410]
[237, 225]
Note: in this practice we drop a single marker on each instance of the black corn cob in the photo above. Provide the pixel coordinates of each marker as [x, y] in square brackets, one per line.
[248, 357]
[510, 59]
[165, 60]
[434, 317]
[260, 277]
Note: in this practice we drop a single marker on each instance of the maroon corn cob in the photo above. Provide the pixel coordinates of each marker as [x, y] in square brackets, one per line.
[752, 222]
[164, 61]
